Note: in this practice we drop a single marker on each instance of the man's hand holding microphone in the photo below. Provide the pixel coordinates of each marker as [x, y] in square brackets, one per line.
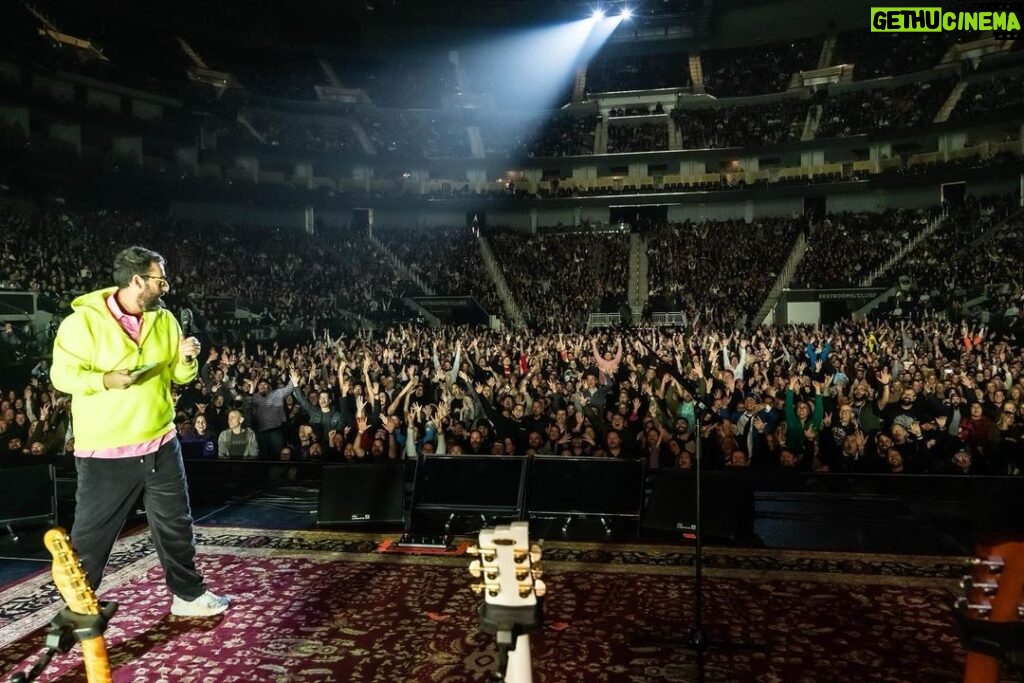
[188, 350]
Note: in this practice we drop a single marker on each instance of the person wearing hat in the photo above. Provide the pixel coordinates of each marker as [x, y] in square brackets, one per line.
[961, 462]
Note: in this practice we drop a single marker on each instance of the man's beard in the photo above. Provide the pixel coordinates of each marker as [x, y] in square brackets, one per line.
[149, 303]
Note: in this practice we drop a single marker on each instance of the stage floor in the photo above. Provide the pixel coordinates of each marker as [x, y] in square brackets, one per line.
[321, 605]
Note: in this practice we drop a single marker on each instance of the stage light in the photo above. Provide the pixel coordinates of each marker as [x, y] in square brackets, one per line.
[626, 13]
[598, 15]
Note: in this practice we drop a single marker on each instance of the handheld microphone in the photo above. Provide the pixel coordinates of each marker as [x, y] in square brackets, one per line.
[186, 326]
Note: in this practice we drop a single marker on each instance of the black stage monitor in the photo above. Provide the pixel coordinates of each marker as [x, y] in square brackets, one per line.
[587, 486]
[470, 482]
[726, 504]
[360, 493]
[27, 493]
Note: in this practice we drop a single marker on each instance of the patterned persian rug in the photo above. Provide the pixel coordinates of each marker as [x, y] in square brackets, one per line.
[319, 606]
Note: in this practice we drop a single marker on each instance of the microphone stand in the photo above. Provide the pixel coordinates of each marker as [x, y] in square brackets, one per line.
[697, 639]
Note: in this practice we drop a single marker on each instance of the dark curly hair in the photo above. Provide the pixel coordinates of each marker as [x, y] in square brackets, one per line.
[133, 261]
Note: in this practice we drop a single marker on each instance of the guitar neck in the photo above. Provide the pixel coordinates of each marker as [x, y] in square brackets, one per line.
[74, 587]
[97, 666]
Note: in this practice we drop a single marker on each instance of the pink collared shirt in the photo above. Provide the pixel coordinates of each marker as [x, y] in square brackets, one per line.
[132, 326]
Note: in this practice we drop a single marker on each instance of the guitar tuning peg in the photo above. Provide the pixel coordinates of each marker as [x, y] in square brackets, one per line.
[488, 556]
[993, 564]
[477, 588]
[536, 552]
[522, 574]
[525, 589]
[475, 569]
[537, 573]
[493, 592]
[492, 575]
[472, 550]
[520, 556]
[968, 584]
[982, 610]
[539, 589]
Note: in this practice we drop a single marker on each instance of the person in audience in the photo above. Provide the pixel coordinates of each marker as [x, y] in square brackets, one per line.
[803, 423]
[265, 410]
[49, 431]
[41, 370]
[976, 432]
[216, 414]
[237, 441]
[9, 337]
[205, 442]
[325, 419]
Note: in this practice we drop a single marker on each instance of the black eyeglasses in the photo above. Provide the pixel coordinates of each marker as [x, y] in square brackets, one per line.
[162, 280]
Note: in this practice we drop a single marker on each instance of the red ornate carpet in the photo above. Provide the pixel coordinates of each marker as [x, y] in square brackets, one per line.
[325, 606]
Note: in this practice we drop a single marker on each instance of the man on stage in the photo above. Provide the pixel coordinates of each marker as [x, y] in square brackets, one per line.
[117, 354]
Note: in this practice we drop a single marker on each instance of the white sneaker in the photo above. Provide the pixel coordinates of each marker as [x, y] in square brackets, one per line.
[206, 605]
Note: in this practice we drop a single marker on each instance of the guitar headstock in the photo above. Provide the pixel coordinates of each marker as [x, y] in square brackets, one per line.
[508, 566]
[68, 576]
[991, 612]
[994, 590]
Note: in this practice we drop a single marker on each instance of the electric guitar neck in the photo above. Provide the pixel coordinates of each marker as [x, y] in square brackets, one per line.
[74, 587]
[991, 613]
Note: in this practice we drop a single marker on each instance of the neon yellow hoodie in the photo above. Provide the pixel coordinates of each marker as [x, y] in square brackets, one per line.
[89, 343]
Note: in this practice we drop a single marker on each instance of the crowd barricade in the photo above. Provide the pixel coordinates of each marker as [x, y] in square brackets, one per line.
[669, 319]
[603, 320]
